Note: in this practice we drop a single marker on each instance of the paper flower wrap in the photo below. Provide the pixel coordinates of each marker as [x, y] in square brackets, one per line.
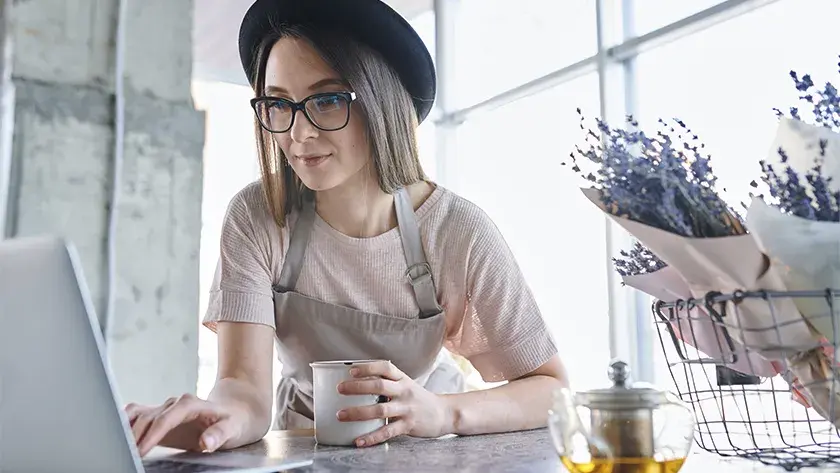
[801, 235]
[727, 264]
[805, 249]
[697, 328]
[661, 189]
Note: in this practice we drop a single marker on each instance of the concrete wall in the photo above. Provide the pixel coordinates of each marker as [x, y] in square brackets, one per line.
[61, 164]
[7, 95]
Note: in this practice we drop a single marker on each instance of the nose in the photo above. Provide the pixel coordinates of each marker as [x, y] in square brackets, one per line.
[302, 128]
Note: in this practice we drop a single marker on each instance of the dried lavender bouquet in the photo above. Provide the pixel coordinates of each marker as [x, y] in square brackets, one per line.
[662, 190]
[797, 223]
[796, 219]
[663, 180]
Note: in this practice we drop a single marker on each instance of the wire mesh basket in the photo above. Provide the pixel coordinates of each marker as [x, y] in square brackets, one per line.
[782, 417]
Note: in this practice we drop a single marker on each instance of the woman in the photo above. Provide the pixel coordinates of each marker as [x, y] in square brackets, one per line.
[345, 250]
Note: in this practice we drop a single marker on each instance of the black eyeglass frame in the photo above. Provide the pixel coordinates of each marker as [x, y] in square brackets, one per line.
[350, 97]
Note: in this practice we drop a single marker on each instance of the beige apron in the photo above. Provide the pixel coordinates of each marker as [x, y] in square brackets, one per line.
[312, 330]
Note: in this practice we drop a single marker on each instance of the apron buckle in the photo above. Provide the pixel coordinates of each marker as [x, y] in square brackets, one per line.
[425, 272]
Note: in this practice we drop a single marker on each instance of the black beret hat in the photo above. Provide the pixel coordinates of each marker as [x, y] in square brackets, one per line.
[371, 22]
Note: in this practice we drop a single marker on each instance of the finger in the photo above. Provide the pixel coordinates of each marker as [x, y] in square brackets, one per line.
[217, 434]
[382, 434]
[385, 369]
[185, 410]
[132, 411]
[140, 425]
[385, 410]
[141, 417]
[379, 386]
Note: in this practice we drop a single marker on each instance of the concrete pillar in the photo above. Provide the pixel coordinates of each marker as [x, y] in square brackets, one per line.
[7, 95]
[62, 157]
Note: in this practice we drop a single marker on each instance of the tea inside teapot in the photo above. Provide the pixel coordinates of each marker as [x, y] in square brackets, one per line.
[627, 428]
[625, 465]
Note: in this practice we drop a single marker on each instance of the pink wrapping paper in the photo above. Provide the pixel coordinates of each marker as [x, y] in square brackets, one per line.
[810, 253]
[696, 327]
[728, 264]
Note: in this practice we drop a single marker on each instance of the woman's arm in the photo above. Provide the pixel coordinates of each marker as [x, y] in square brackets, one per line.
[237, 411]
[520, 404]
[240, 311]
[245, 378]
[504, 335]
[242, 315]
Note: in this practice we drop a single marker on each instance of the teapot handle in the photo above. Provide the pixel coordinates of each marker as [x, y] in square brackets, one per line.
[570, 438]
[677, 434]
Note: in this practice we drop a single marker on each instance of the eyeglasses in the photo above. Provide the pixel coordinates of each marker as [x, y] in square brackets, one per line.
[329, 111]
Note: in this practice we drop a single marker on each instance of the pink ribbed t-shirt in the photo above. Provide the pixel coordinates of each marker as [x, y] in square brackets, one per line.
[492, 319]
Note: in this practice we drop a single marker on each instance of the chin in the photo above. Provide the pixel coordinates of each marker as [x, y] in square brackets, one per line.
[321, 183]
[320, 180]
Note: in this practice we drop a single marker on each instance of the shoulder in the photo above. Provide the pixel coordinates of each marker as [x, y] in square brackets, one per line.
[249, 217]
[461, 219]
[251, 240]
[250, 207]
[250, 198]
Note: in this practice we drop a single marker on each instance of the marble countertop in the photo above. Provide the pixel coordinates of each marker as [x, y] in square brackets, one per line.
[529, 451]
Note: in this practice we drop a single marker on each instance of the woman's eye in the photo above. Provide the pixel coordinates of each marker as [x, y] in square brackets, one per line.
[279, 106]
[325, 104]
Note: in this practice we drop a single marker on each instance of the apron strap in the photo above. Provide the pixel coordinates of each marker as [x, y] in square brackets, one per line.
[419, 272]
[293, 260]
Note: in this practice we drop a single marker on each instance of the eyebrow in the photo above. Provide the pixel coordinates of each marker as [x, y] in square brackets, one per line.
[270, 89]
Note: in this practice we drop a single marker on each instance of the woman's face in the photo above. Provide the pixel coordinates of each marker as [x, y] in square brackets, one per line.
[322, 160]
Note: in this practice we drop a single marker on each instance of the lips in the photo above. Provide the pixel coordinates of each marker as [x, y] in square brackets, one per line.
[312, 160]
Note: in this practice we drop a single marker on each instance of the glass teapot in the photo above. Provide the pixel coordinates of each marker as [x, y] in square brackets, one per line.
[629, 429]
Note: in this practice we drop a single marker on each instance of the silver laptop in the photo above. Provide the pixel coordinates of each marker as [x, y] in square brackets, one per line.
[58, 407]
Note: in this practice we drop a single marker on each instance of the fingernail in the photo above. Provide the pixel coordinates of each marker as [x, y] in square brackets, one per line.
[354, 372]
[360, 442]
[342, 415]
[209, 443]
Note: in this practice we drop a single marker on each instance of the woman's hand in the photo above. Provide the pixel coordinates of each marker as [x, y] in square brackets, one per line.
[412, 410]
[186, 423]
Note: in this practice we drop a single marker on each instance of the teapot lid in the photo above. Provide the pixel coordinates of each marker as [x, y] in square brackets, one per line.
[622, 395]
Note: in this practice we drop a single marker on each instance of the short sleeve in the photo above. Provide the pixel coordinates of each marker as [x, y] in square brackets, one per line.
[503, 333]
[241, 290]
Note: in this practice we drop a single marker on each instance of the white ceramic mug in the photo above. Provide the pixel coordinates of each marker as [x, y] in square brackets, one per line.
[326, 376]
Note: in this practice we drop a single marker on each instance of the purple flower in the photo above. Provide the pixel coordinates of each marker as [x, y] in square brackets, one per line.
[639, 260]
[663, 180]
[666, 182]
[811, 199]
[824, 103]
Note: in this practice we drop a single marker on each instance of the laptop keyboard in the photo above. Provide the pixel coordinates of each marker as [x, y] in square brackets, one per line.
[169, 466]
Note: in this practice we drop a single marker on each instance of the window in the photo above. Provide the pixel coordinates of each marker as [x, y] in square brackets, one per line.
[424, 24]
[499, 47]
[724, 84]
[230, 163]
[649, 15]
[508, 163]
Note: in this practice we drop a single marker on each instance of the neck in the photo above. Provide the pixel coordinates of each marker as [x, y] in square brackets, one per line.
[357, 208]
